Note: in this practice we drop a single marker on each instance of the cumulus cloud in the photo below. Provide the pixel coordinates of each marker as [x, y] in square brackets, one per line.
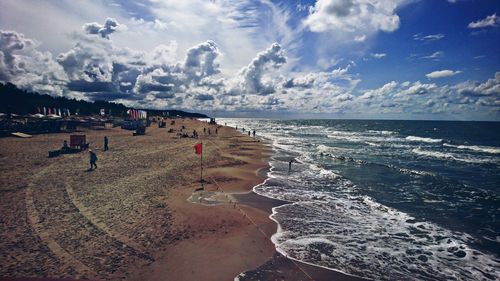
[489, 88]
[418, 88]
[200, 59]
[306, 81]
[249, 80]
[354, 15]
[489, 21]
[109, 26]
[379, 92]
[442, 73]
[95, 68]
[23, 64]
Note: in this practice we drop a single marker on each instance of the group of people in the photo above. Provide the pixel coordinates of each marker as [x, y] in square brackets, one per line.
[249, 132]
[205, 131]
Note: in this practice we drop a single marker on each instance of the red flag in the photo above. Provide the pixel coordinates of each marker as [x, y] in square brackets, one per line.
[198, 148]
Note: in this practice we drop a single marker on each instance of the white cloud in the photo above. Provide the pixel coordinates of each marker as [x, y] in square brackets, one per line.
[442, 73]
[382, 91]
[23, 64]
[434, 56]
[354, 16]
[159, 62]
[250, 78]
[109, 26]
[489, 88]
[378, 55]
[418, 88]
[428, 38]
[360, 38]
[489, 21]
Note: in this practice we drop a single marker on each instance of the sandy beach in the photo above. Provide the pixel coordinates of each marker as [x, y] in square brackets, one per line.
[135, 217]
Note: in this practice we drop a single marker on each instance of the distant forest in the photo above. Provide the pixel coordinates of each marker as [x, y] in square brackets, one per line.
[17, 101]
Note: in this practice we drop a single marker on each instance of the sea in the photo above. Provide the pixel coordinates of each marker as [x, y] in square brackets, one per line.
[386, 200]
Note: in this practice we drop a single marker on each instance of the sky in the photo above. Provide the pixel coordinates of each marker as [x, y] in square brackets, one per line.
[370, 59]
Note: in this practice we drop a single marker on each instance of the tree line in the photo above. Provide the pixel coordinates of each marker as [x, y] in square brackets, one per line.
[22, 102]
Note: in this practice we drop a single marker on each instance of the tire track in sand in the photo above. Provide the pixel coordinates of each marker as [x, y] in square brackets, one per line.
[34, 219]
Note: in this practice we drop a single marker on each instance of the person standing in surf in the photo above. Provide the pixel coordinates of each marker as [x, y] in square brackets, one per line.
[290, 165]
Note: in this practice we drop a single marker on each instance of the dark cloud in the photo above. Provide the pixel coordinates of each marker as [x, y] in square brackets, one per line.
[110, 26]
[108, 96]
[165, 95]
[23, 64]
[96, 69]
[204, 97]
[95, 86]
[10, 41]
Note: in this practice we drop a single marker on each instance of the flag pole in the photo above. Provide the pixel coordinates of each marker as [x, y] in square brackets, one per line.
[201, 165]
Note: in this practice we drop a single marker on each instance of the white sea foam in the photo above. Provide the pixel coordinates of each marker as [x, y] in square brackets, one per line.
[383, 243]
[485, 149]
[331, 225]
[451, 156]
[412, 172]
[382, 132]
[373, 144]
[421, 139]
[357, 137]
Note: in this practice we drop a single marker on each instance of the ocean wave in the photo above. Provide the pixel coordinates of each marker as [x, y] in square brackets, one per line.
[421, 139]
[478, 148]
[348, 234]
[373, 144]
[382, 132]
[332, 223]
[451, 156]
[411, 171]
[360, 138]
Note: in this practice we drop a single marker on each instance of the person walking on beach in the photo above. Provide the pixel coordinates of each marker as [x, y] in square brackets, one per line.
[290, 165]
[106, 143]
[93, 159]
[254, 133]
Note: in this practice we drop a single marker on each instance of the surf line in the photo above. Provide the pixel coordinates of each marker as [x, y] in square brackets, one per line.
[236, 205]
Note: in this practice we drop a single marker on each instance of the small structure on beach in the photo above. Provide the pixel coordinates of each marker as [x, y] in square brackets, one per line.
[77, 143]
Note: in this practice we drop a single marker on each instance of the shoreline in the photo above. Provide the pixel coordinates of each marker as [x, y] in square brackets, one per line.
[131, 218]
[280, 266]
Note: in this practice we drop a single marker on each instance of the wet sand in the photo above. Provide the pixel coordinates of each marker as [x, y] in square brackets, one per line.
[134, 217]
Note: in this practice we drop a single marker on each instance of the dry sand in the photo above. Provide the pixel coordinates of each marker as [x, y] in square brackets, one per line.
[135, 217]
